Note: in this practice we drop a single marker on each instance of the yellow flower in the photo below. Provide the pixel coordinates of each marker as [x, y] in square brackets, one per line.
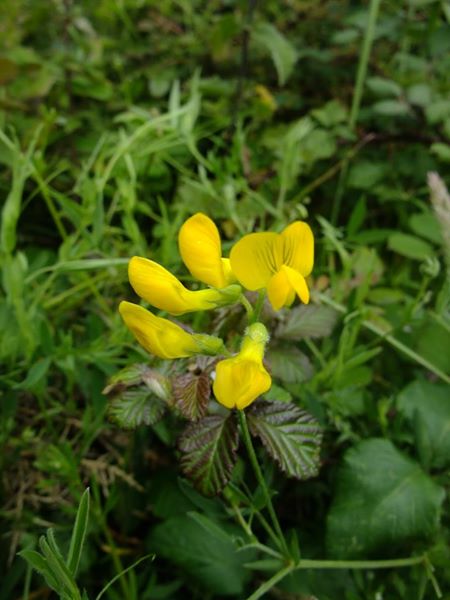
[277, 262]
[201, 251]
[241, 379]
[159, 287]
[164, 338]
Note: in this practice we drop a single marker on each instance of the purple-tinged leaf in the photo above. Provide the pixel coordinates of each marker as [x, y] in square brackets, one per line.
[209, 452]
[191, 394]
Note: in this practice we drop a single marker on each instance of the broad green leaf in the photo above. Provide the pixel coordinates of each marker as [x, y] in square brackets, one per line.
[40, 564]
[307, 321]
[283, 53]
[391, 108]
[136, 407]
[383, 499]
[78, 533]
[410, 246]
[289, 364]
[209, 452]
[36, 374]
[426, 225]
[205, 553]
[383, 87]
[290, 435]
[442, 151]
[191, 393]
[426, 405]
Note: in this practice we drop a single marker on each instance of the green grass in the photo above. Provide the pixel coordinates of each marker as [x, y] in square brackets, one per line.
[116, 125]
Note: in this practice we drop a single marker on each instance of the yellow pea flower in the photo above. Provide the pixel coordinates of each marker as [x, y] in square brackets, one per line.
[278, 262]
[201, 251]
[163, 338]
[159, 287]
[241, 379]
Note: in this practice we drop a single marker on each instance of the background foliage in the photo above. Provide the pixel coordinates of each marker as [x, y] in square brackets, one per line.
[119, 119]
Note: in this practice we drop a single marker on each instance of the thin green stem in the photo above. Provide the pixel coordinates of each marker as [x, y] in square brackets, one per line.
[357, 96]
[248, 307]
[262, 482]
[364, 61]
[361, 564]
[270, 583]
[394, 342]
[258, 306]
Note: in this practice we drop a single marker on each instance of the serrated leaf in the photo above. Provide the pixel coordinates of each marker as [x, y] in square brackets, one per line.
[383, 499]
[289, 364]
[136, 374]
[283, 53]
[136, 407]
[209, 452]
[307, 321]
[290, 435]
[191, 394]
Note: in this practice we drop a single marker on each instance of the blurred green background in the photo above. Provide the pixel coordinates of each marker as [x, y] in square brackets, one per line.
[118, 120]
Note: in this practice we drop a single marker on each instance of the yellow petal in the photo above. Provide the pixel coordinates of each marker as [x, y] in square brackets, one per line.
[159, 287]
[255, 258]
[298, 283]
[298, 247]
[239, 382]
[158, 336]
[279, 290]
[201, 250]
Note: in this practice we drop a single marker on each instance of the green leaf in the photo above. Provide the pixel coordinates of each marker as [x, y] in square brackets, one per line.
[426, 225]
[39, 563]
[382, 500]
[410, 246]
[191, 393]
[391, 108]
[283, 53]
[289, 364]
[136, 407]
[78, 533]
[290, 435]
[209, 452]
[206, 554]
[307, 321]
[383, 87]
[426, 405]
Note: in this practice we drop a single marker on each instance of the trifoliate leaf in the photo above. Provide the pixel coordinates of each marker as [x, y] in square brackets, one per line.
[383, 499]
[136, 407]
[191, 394]
[290, 435]
[209, 452]
[307, 321]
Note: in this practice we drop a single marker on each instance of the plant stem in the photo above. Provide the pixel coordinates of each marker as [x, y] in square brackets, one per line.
[390, 339]
[258, 307]
[269, 584]
[357, 96]
[262, 482]
[361, 564]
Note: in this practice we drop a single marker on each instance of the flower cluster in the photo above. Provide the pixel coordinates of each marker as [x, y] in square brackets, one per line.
[276, 263]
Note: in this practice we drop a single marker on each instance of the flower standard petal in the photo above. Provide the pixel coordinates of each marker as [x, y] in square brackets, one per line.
[298, 247]
[255, 258]
[159, 287]
[201, 251]
[158, 336]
